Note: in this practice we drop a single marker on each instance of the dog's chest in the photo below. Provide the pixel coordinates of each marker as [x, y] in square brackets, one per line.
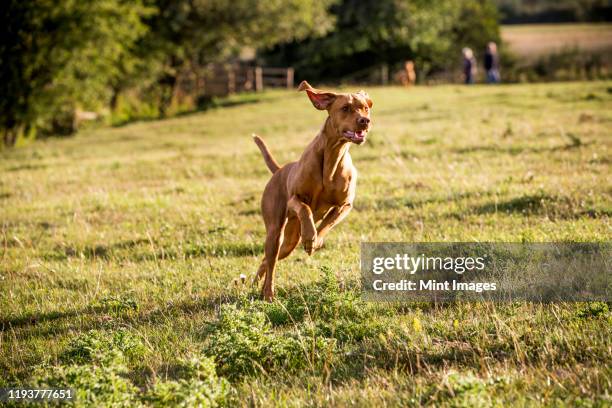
[339, 187]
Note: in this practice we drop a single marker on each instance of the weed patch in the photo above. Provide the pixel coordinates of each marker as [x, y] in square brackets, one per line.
[117, 305]
[98, 346]
[95, 366]
[242, 343]
[306, 328]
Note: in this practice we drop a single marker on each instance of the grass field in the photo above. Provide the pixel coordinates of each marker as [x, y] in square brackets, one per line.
[120, 249]
[535, 40]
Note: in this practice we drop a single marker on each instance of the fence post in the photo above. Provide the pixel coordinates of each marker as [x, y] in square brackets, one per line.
[384, 74]
[231, 80]
[290, 73]
[248, 84]
[258, 79]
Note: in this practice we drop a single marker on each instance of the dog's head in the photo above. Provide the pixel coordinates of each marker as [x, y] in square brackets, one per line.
[349, 113]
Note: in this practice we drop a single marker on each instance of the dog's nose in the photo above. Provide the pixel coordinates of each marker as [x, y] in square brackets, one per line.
[363, 121]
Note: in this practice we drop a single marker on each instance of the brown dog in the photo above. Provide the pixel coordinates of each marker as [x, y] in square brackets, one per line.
[320, 186]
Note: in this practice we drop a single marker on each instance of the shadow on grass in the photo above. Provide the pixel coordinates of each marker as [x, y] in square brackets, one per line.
[516, 150]
[203, 106]
[372, 357]
[27, 166]
[542, 204]
[116, 312]
[33, 319]
[527, 204]
[93, 251]
[189, 308]
[399, 202]
[116, 251]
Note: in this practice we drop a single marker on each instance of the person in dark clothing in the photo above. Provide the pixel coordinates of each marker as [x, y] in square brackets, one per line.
[469, 66]
[491, 63]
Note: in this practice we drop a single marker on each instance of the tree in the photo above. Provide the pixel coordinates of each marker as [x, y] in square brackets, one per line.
[193, 33]
[59, 55]
[371, 33]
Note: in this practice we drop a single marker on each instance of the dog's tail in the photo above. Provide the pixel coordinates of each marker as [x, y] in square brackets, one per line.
[270, 162]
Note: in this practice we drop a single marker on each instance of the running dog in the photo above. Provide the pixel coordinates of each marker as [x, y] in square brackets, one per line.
[319, 187]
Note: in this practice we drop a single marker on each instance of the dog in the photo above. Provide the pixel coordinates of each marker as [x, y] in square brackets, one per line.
[319, 187]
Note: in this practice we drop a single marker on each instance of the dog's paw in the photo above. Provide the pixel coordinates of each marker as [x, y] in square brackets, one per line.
[310, 245]
[267, 294]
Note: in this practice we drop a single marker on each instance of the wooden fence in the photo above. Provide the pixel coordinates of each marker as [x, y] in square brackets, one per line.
[225, 79]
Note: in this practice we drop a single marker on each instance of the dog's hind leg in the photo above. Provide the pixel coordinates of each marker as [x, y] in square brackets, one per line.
[291, 237]
[274, 238]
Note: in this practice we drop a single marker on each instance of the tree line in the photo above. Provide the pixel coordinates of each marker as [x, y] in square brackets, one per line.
[59, 57]
[554, 11]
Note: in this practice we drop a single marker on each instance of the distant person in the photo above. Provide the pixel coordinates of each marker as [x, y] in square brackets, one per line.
[491, 63]
[469, 65]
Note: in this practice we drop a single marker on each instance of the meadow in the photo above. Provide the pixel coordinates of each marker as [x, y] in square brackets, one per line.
[531, 41]
[121, 251]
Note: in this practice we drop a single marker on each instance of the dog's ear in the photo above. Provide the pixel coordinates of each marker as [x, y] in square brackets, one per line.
[304, 85]
[320, 99]
[365, 96]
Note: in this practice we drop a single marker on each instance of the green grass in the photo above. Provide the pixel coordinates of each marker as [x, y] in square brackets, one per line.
[121, 248]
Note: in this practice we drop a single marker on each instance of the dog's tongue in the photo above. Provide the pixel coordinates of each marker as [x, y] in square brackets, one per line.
[359, 133]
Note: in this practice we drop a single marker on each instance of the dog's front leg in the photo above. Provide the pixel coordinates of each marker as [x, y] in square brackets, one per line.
[331, 219]
[308, 229]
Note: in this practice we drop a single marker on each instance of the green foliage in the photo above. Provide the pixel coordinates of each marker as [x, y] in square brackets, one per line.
[314, 320]
[370, 33]
[337, 313]
[117, 305]
[199, 386]
[95, 365]
[94, 385]
[99, 346]
[467, 390]
[186, 35]
[568, 63]
[242, 343]
[58, 56]
[593, 309]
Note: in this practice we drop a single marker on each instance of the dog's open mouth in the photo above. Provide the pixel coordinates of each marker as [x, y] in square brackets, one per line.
[355, 137]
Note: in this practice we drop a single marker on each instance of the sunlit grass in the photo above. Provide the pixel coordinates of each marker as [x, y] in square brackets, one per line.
[145, 227]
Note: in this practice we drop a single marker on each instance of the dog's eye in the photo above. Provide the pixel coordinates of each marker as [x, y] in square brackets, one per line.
[346, 108]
